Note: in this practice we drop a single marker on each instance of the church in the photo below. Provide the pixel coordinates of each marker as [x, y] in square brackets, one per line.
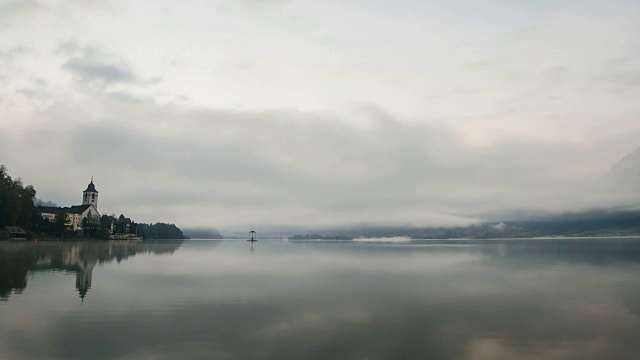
[76, 214]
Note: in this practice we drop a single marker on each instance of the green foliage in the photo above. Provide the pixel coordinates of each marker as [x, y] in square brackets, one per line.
[59, 226]
[202, 233]
[91, 226]
[160, 231]
[17, 209]
[16, 202]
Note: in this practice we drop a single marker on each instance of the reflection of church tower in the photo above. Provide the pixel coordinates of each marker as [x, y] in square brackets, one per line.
[83, 277]
[90, 196]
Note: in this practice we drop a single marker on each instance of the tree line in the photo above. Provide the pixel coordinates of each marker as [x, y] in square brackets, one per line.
[18, 207]
[16, 202]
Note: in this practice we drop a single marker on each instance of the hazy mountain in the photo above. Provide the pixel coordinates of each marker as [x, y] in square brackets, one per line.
[625, 175]
[595, 222]
[613, 209]
[513, 215]
[202, 233]
[40, 202]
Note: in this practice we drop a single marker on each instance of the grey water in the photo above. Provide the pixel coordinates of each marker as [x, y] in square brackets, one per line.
[275, 299]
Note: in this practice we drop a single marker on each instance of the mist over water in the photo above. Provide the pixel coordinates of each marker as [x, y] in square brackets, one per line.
[501, 299]
[395, 239]
[377, 121]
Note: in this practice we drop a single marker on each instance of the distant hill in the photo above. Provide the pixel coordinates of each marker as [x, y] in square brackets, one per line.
[160, 231]
[597, 222]
[589, 223]
[202, 233]
[625, 175]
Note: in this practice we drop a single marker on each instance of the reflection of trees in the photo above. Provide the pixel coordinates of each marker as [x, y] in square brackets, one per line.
[17, 260]
[14, 265]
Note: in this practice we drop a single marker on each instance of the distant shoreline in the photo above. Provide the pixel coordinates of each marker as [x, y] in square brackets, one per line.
[355, 240]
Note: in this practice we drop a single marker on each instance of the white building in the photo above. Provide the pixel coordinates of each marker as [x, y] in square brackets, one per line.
[75, 214]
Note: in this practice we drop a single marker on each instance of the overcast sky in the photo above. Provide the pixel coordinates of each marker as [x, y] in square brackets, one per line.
[233, 113]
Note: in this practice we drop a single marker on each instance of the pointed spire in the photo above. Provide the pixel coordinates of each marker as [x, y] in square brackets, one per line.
[91, 187]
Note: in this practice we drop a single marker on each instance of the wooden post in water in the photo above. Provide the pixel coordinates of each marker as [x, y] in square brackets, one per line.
[252, 235]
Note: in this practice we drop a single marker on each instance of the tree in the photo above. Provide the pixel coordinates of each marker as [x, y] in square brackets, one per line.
[60, 224]
[91, 225]
[160, 231]
[16, 202]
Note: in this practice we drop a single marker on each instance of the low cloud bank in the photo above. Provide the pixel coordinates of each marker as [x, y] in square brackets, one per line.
[225, 168]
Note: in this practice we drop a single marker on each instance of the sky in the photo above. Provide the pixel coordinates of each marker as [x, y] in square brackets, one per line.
[232, 113]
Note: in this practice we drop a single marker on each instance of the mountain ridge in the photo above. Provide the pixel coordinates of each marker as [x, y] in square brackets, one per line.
[625, 174]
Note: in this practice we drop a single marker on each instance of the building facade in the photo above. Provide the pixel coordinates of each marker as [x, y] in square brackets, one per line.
[75, 215]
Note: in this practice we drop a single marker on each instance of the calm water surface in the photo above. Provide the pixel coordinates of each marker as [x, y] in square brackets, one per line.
[533, 299]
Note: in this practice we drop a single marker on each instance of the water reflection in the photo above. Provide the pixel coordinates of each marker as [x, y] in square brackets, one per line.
[18, 259]
[446, 300]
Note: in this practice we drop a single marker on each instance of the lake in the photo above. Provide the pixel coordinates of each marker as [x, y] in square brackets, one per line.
[393, 299]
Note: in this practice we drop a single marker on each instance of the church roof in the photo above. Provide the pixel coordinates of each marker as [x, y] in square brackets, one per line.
[15, 230]
[76, 209]
[49, 209]
[91, 187]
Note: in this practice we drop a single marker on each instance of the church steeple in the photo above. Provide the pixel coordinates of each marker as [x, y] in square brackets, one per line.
[90, 196]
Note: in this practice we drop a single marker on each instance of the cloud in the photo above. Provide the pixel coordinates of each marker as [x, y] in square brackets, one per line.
[285, 166]
[13, 53]
[127, 97]
[621, 82]
[14, 12]
[462, 114]
[254, 4]
[98, 73]
[67, 47]
[96, 70]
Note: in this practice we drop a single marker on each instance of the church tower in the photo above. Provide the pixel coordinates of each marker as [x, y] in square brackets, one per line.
[90, 196]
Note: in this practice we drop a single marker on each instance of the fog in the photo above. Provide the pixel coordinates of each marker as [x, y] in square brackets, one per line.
[285, 112]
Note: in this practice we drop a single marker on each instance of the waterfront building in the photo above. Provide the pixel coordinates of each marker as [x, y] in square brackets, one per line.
[76, 214]
[13, 233]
